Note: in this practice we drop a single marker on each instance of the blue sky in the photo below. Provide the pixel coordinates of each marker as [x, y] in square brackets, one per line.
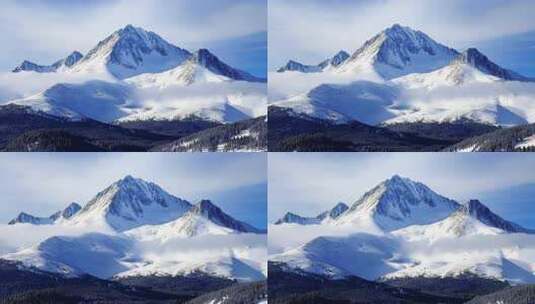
[42, 183]
[234, 29]
[502, 29]
[310, 183]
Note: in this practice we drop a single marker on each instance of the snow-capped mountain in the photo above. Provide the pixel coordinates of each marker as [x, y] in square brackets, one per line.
[204, 218]
[201, 67]
[66, 213]
[482, 213]
[423, 235]
[325, 65]
[419, 81]
[129, 203]
[136, 75]
[394, 52]
[59, 65]
[131, 51]
[396, 203]
[399, 51]
[469, 67]
[475, 58]
[147, 226]
[472, 218]
[332, 214]
[59, 216]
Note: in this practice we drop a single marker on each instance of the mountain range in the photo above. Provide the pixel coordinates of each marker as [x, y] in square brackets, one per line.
[134, 76]
[403, 230]
[121, 226]
[403, 77]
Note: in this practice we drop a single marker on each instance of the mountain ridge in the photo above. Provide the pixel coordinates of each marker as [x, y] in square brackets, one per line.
[403, 246]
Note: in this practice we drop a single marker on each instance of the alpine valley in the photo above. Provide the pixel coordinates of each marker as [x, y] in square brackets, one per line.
[401, 242]
[401, 91]
[134, 91]
[134, 243]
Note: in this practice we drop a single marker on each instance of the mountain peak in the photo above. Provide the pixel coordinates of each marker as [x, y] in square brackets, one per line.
[64, 214]
[131, 51]
[478, 60]
[475, 209]
[131, 202]
[471, 218]
[397, 51]
[211, 62]
[396, 28]
[204, 55]
[214, 214]
[23, 217]
[397, 179]
[334, 212]
[474, 206]
[71, 209]
[339, 58]
[128, 179]
[205, 207]
[73, 58]
[66, 62]
[400, 202]
[130, 29]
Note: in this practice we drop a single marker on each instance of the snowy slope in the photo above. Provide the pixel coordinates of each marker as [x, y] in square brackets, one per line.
[363, 101]
[363, 255]
[93, 253]
[129, 203]
[96, 99]
[221, 266]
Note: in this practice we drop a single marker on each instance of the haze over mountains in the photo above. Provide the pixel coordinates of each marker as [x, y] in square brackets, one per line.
[133, 91]
[403, 230]
[119, 231]
[131, 59]
[403, 77]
